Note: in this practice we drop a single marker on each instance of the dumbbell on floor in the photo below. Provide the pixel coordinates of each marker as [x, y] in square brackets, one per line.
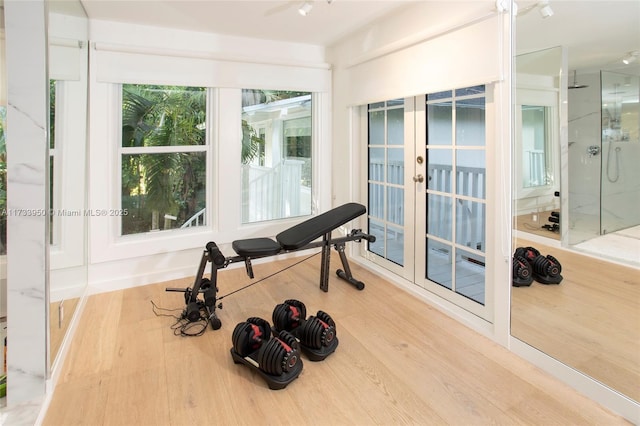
[316, 334]
[276, 358]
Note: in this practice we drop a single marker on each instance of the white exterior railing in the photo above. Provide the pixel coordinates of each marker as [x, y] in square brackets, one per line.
[198, 219]
[536, 166]
[268, 193]
[470, 215]
[395, 196]
[273, 192]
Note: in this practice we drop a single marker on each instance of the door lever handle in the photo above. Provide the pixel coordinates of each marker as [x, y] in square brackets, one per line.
[418, 179]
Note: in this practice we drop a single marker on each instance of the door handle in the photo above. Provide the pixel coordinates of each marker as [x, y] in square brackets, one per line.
[418, 179]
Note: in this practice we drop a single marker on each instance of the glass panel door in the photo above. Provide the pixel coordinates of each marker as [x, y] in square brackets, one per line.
[426, 190]
[389, 144]
[451, 245]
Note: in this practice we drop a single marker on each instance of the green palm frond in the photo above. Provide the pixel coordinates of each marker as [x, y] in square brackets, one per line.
[136, 111]
[250, 143]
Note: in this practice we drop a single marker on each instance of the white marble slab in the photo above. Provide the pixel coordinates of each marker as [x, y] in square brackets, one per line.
[27, 223]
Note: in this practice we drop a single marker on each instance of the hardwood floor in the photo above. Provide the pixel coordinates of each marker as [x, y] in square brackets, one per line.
[590, 321]
[399, 361]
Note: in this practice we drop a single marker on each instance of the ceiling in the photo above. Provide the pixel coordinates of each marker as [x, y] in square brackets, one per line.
[597, 33]
[265, 19]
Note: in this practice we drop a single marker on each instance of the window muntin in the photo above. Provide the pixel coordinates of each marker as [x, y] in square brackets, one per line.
[163, 158]
[277, 154]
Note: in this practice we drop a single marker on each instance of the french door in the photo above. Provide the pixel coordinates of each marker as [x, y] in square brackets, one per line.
[426, 186]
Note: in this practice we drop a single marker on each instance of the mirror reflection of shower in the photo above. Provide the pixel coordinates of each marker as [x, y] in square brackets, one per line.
[575, 84]
[619, 192]
[604, 153]
[613, 178]
[611, 132]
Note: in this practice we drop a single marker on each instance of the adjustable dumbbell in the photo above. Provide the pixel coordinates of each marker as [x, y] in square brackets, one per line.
[316, 334]
[522, 273]
[546, 269]
[276, 358]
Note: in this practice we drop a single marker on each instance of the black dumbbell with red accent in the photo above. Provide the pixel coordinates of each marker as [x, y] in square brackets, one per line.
[276, 359]
[522, 272]
[546, 269]
[316, 334]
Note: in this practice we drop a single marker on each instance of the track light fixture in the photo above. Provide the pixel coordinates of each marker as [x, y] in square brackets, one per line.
[543, 7]
[631, 57]
[305, 8]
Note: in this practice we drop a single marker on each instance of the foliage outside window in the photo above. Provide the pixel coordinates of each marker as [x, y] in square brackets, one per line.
[163, 157]
[276, 155]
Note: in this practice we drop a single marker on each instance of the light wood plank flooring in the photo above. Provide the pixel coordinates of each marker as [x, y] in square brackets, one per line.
[399, 361]
[590, 321]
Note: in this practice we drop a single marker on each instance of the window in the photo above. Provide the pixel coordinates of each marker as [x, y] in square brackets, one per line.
[277, 146]
[163, 157]
[535, 143]
[456, 188]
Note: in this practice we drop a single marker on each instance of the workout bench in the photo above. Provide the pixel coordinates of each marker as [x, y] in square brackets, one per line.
[302, 236]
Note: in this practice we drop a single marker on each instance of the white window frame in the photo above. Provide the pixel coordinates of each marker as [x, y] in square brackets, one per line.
[206, 148]
[223, 193]
[69, 188]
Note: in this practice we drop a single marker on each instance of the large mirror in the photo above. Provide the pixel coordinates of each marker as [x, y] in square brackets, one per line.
[576, 184]
[68, 70]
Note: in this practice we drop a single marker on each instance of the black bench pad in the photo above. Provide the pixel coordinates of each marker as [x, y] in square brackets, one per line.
[256, 247]
[300, 235]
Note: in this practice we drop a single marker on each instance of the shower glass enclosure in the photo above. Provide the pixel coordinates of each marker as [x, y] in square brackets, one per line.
[604, 153]
[620, 174]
